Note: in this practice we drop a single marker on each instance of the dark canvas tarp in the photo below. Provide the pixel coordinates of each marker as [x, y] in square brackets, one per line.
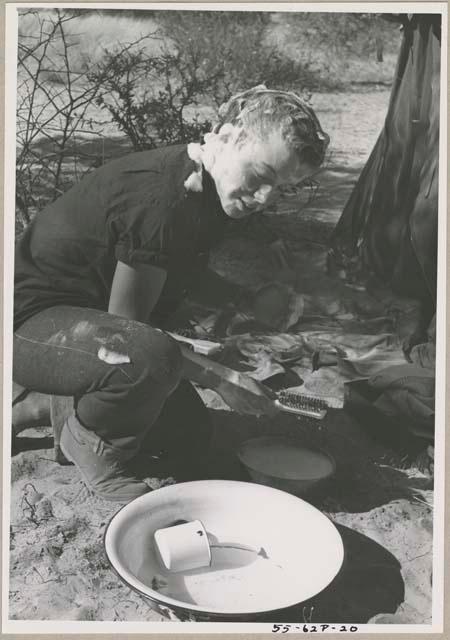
[389, 224]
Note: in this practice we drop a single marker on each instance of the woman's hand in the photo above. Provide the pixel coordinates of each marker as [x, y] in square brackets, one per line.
[238, 390]
[247, 396]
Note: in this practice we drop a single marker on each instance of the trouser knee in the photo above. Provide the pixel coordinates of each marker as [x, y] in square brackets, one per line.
[129, 397]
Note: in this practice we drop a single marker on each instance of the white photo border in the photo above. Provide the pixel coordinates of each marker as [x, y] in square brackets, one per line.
[10, 69]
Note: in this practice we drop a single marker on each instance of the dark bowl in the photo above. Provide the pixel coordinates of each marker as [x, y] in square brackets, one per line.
[285, 463]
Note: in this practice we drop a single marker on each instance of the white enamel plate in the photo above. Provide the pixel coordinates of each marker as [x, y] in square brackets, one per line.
[270, 550]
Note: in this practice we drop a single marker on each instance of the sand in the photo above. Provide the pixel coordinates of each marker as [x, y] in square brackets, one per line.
[59, 570]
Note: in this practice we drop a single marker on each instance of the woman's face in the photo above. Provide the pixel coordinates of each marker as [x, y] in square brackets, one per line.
[248, 173]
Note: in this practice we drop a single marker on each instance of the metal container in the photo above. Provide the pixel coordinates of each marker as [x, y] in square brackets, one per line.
[284, 463]
[270, 550]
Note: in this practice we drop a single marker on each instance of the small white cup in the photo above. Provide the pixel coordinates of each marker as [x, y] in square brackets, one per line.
[183, 547]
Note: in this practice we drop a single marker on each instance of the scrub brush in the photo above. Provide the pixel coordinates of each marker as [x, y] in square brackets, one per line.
[302, 405]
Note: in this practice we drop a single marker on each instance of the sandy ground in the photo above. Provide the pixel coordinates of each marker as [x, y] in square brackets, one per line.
[58, 569]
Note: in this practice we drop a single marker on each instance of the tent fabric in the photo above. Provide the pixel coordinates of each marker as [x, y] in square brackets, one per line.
[389, 224]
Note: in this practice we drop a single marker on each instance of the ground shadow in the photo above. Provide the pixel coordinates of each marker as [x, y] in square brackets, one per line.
[368, 583]
[362, 480]
[27, 443]
[395, 432]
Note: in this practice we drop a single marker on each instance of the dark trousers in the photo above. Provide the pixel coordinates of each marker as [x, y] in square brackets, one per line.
[124, 377]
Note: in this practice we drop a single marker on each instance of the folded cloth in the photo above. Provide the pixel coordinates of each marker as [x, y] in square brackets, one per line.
[407, 391]
[404, 402]
[424, 355]
[370, 365]
[419, 380]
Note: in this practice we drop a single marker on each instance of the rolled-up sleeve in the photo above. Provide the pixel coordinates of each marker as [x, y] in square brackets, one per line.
[143, 238]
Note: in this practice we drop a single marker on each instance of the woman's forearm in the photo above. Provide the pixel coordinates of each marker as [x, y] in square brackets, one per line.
[135, 291]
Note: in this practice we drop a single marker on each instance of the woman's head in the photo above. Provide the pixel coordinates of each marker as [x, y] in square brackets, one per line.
[260, 112]
[264, 139]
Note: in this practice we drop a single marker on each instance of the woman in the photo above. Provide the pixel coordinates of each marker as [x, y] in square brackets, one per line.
[102, 267]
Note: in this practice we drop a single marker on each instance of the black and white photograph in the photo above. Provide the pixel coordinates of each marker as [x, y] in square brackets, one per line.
[224, 318]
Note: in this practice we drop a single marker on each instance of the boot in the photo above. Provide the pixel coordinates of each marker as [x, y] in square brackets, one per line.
[29, 409]
[61, 407]
[101, 465]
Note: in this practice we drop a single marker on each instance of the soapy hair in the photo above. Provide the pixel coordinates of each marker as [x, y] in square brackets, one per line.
[261, 112]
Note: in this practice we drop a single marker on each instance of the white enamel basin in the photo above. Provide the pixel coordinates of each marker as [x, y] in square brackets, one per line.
[270, 550]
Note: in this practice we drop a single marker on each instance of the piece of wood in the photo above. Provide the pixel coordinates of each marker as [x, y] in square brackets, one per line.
[204, 347]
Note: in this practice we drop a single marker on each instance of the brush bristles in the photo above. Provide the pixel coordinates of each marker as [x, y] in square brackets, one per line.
[299, 401]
